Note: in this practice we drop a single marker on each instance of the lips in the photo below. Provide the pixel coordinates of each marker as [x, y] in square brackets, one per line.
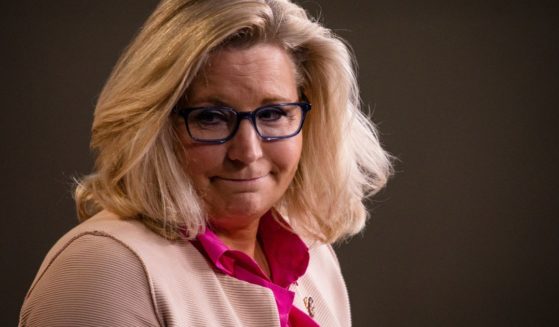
[241, 179]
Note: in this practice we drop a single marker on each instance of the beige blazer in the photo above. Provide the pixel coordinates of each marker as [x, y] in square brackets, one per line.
[113, 272]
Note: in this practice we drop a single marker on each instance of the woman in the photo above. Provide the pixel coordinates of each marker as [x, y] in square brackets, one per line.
[230, 153]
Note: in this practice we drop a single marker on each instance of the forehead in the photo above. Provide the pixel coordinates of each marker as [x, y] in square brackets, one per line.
[260, 71]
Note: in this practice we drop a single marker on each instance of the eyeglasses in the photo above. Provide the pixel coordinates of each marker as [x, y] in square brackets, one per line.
[217, 125]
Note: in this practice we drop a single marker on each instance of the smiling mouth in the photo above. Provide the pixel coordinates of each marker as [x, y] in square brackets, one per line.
[240, 180]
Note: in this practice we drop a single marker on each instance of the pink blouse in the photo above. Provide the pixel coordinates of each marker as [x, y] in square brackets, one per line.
[288, 258]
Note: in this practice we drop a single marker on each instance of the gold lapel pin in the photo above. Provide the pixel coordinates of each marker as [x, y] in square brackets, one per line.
[309, 304]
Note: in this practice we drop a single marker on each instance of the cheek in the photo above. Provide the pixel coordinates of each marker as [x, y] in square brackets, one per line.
[286, 157]
[201, 160]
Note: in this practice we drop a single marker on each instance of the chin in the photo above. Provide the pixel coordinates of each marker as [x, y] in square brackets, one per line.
[241, 206]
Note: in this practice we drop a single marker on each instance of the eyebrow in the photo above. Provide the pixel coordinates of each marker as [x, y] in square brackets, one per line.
[217, 101]
[213, 100]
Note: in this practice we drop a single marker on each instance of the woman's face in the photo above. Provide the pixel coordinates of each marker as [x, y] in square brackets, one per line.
[243, 178]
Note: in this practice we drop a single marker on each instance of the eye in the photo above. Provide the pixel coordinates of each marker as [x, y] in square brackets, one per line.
[210, 116]
[271, 114]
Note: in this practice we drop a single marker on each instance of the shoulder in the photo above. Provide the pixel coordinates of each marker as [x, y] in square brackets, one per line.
[82, 280]
[323, 255]
[324, 284]
[102, 262]
[131, 237]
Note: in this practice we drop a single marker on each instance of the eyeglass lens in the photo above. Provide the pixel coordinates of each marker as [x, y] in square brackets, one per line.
[219, 123]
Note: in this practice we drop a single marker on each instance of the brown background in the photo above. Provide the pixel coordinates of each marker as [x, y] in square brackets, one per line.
[465, 94]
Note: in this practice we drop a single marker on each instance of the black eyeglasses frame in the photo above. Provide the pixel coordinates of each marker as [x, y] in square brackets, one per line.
[250, 115]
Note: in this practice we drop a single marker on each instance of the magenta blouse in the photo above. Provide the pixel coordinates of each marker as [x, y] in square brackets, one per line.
[288, 258]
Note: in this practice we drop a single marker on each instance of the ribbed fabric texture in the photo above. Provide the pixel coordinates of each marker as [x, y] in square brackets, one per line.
[113, 272]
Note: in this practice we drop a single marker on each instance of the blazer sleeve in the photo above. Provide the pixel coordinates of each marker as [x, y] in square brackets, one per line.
[95, 280]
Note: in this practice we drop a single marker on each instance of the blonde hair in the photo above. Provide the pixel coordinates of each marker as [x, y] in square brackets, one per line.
[138, 173]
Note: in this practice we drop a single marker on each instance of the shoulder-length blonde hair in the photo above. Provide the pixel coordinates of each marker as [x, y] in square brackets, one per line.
[138, 173]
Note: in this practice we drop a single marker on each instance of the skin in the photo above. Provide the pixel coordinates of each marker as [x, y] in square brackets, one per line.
[242, 179]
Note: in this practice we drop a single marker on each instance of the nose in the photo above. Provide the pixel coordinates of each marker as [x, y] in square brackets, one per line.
[245, 146]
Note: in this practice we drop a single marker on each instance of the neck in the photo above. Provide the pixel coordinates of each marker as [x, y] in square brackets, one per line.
[245, 240]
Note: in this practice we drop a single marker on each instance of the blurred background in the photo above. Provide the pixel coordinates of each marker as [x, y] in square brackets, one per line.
[465, 94]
